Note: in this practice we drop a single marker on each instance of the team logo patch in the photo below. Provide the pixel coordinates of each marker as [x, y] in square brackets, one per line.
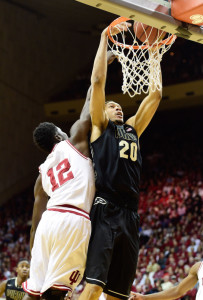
[74, 277]
[99, 200]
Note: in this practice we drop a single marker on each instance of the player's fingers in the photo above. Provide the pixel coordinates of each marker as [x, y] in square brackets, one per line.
[120, 27]
[124, 26]
[127, 24]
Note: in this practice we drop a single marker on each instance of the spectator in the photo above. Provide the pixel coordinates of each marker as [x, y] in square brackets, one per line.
[167, 283]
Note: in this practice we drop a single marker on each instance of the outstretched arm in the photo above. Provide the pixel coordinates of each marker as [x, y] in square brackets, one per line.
[98, 82]
[147, 108]
[84, 122]
[82, 126]
[85, 113]
[175, 292]
[40, 203]
[2, 287]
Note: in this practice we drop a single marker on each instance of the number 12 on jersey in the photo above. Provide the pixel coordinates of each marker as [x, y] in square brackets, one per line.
[63, 175]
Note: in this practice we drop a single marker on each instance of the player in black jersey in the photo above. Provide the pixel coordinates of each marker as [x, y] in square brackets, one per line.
[13, 287]
[114, 244]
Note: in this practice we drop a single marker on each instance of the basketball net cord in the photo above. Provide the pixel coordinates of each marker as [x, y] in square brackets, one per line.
[140, 62]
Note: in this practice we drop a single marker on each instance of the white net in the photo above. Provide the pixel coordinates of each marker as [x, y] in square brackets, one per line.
[140, 60]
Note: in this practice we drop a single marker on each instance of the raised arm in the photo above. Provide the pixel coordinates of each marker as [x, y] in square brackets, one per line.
[82, 126]
[146, 109]
[98, 81]
[80, 129]
[176, 291]
[40, 203]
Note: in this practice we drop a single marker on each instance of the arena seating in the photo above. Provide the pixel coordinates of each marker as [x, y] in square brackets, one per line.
[171, 208]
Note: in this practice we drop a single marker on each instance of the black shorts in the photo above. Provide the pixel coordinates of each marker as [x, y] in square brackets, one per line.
[113, 249]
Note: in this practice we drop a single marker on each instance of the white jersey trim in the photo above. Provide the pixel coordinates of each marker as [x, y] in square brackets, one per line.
[31, 292]
[62, 287]
[96, 280]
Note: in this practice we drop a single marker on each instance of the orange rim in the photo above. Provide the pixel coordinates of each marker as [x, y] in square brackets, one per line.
[119, 20]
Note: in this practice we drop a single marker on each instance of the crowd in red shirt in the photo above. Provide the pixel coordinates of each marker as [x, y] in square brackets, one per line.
[171, 198]
[170, 234]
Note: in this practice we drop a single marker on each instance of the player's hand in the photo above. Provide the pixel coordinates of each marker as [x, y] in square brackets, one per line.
[110, 57]
[136, 296]
[118, 28]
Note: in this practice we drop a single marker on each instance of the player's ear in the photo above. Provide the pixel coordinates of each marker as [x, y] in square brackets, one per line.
[58, 137]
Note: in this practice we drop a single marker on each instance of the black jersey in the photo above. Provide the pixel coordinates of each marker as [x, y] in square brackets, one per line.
[117, 163]
[13, 291]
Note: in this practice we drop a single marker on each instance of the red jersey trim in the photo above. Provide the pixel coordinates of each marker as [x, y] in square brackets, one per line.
[72, 206]
[62, 287]
[76, 149]
[54, 147]
[30, 292]
[70, 211]
[49, 153]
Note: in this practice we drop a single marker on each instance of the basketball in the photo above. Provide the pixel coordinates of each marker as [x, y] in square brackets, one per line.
[147, 34]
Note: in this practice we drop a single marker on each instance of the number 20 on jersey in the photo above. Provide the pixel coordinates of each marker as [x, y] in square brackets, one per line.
[128, 146]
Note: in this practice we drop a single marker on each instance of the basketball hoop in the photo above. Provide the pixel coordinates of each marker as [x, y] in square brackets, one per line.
[140, 58]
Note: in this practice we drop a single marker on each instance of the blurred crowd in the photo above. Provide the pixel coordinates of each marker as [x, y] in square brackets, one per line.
[15, 218]
[171, 232]
[171, 208]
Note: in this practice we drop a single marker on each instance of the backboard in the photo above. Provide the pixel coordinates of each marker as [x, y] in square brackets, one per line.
[155, 13]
